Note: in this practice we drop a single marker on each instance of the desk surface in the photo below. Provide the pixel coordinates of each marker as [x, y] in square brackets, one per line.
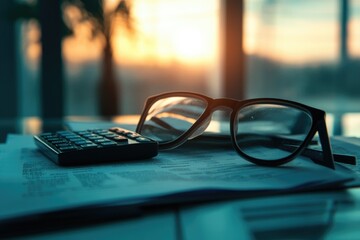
[330, 215]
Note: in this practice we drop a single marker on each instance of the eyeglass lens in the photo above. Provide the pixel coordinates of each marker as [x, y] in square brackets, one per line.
[262, 131]
[271, 131]
[169, 118]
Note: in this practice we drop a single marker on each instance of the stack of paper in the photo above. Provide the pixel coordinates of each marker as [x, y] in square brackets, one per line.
[30, 184]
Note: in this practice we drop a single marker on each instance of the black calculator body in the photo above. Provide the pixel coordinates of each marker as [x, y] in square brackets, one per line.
[95, 146]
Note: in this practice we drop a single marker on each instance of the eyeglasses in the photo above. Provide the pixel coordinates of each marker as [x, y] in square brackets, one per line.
[264, 131]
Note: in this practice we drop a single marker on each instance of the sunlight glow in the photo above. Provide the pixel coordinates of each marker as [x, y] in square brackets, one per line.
[81, 46]
[32, 41]
[110, 4]
[165, 32]
[351, 124]
[354, 36]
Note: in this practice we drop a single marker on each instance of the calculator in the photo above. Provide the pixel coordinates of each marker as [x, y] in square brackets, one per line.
[95, 146]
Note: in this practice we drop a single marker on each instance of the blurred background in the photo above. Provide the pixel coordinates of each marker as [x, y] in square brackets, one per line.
[104, 58]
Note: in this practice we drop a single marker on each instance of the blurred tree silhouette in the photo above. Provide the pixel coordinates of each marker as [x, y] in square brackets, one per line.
[102, 23]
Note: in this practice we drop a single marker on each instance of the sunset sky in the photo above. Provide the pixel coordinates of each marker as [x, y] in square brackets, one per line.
[181, 39]
[189, 32]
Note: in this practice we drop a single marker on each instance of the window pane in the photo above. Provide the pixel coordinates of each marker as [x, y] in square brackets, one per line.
[172, 45]
[354, 29]
[29, 52]
[294, 51]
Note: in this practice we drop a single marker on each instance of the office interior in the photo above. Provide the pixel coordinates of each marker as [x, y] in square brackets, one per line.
[99, 59]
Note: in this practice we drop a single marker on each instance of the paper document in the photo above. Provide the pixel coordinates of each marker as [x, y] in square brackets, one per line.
[348, 146]
[30, 183]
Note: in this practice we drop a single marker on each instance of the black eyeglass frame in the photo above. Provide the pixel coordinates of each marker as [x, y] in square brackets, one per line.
[317, 116]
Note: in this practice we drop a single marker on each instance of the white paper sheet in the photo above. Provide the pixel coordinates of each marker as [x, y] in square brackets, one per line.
[349, 146]
[30, 183]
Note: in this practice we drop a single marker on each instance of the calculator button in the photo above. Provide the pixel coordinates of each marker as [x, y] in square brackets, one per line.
[49, 136]
[89, 135]
[66, 134]
[105, 133]
[76, 139]
[71, 136]
[95, 137]
[120, 139]
[68, 148]
[58, 141]
[82, 142]
[100, 131]
[63, 145]
[118, 131]
[101, 140]
[142, 139]
[82, 132]
[107, 144]
[110, 135]
[91, 145]
[132, 135]
[50, 139]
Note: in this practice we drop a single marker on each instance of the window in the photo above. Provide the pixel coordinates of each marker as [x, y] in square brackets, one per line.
[306, 51]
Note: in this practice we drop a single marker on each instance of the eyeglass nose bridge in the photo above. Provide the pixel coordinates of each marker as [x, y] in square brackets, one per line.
[223, 103]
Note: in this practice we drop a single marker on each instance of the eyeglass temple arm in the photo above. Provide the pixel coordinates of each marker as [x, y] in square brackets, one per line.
[317, 156]
[314, 154]
[324, 157]
[328, 159]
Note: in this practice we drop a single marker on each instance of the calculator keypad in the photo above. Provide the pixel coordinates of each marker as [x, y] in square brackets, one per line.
[68, 140]
[98, 143]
